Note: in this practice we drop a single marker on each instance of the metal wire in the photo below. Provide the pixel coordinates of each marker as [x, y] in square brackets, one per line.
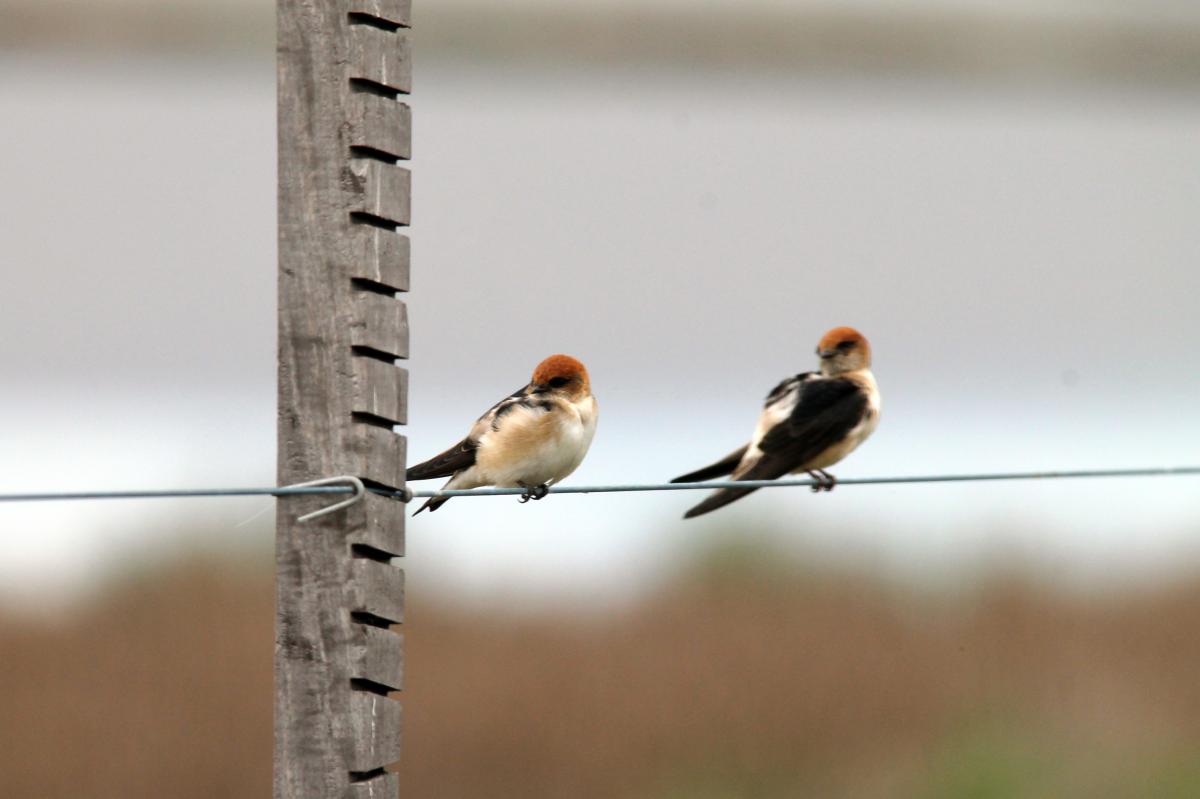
[406, 495]
[711, 484]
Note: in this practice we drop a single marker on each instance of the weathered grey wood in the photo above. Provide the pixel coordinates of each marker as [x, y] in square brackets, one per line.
[380, 389]
[382, 786]
[378, 589]
[382, 57]
[398, 12]
[375, 738]
[377, 255]
[377, 654]
[337, 147]
[380, 189]
[374, 453]
[381, 124]
[377, 522]
[379, 322]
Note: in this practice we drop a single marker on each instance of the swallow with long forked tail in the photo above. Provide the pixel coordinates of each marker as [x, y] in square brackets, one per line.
[531, 439]
[809, 422]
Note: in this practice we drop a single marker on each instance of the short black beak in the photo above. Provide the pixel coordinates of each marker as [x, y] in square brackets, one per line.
[827, 353]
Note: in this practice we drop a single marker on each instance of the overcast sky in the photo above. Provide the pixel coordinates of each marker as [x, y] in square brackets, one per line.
[1023, 259]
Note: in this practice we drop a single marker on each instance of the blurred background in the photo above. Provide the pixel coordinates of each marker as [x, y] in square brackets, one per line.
[685, 195]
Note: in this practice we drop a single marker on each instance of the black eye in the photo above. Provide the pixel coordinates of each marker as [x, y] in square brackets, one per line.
[845, 345]
[559, 382]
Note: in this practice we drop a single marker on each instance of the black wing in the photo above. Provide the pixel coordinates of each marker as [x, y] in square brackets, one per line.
[462, 454]
[520, 396]
[825, 413]
[718, 469]
[458, 457]
[786, 385]
[730, 462]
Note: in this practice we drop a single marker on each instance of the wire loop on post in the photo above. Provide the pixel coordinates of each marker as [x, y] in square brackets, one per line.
[359, 492]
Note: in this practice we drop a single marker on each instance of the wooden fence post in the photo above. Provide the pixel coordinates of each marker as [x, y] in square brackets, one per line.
[343, 66]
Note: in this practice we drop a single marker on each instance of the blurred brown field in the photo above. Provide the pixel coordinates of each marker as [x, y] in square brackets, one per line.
[748, 675]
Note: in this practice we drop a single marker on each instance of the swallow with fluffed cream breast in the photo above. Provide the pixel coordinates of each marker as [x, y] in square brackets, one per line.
[531, 439]
[808, 423]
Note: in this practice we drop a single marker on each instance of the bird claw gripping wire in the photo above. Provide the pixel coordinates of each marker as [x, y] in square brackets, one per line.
[823, 480]
[534, 492]
[349, 480]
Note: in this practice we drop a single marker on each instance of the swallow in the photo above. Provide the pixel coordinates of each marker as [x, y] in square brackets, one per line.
[531, 439]
[809, 422]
